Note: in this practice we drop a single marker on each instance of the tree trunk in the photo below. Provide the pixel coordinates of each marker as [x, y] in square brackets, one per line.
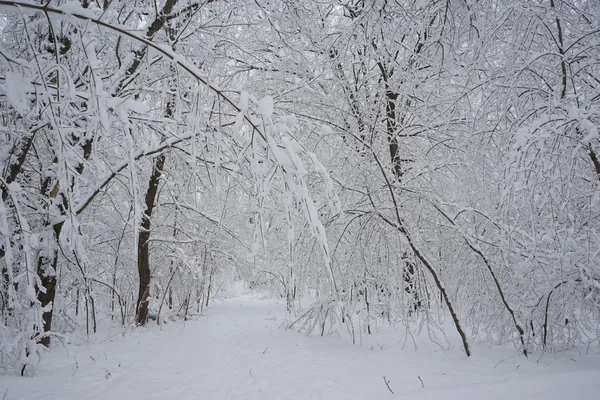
[47, 273]
[48, 280]
[390, 120]
[144, 245]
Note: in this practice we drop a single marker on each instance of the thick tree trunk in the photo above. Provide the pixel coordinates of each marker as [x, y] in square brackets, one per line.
[151, 195]
[48, 280]
[390, 120]
[47, 270]
[144, 244]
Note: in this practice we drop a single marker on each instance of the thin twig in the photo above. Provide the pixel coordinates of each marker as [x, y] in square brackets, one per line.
[387, 383]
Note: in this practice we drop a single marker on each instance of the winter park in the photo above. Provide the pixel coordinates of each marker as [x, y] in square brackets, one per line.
[299, 199]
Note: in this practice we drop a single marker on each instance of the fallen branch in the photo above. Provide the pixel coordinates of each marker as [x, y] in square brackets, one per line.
[387, 383]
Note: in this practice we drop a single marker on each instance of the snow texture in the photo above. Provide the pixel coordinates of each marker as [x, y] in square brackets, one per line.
[240, 350]
[265, 106]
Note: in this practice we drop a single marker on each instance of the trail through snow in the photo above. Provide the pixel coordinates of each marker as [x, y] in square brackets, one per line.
[237, 350]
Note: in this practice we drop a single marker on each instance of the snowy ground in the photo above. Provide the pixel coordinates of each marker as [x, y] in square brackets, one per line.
[237, 351]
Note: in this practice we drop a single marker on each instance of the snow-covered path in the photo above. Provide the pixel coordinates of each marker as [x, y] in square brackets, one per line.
[237, 351]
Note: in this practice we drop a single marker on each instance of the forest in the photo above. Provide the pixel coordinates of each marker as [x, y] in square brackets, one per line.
[433, 165]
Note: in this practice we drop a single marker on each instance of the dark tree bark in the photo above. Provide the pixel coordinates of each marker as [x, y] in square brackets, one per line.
[144, 242]
[48, 280]
[152, 194]
[47, 264]
[392, 135]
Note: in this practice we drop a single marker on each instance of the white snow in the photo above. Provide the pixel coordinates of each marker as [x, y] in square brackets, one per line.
[15, 89]
[76, 8]
[238, 350]
[326, 130]
[265, 106]
[591, 129]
